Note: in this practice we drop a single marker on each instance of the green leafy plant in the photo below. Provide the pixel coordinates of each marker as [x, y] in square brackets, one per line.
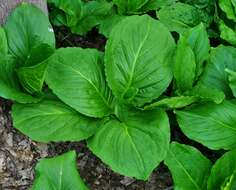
[81, 15]
[24, 49]
[123, 101]
[53, 173]
[78, 15]
[226, 20]
[192, 170]
[77, 77]
[183, 15]
[189, 168]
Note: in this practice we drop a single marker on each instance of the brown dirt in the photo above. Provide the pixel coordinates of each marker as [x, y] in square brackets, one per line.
[18, 154]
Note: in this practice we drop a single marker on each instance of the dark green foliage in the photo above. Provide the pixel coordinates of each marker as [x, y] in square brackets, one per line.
[117, 100]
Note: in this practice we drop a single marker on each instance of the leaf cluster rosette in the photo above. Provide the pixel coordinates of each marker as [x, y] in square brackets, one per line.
[118, 100]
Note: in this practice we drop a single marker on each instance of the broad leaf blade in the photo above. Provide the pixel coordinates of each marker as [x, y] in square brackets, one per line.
[197, 38]
[228, 8]
[58, 173]
[223, 173]
[139, 143]
[185, 66]
[212, 125]
[227, 33]
[52, 121]
[32, 78]
[180, 17]
[39, 54]
[13, 94]
[214, 76]
[138, 66]
[10, 88]
[32, 74]
[70, 11]
[189, 168]
[76, 76]
[23, 33]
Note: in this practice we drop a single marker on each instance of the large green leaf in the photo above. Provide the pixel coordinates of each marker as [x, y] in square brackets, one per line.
[227, 33]
[32, 74]
[135, 145]
[76, 76]
[192, 51]
[32, 78]
[26, 28]
[30, 44]
[228, 8]
[223, 173]
[11, 93]
[58, 173]
[213, 125]
[7, 69]
[221, 58]
[69, 14]
[52, 121]
[10, 88]
[197, 38]
[180, 17]
[189, 168]
[39, 54]
[138, 66]
[185, 66]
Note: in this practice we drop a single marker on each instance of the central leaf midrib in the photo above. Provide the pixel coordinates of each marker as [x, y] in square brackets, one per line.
[134, 146]
[185, 171]
[135, 60]
[60, 175]
[90, 82]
